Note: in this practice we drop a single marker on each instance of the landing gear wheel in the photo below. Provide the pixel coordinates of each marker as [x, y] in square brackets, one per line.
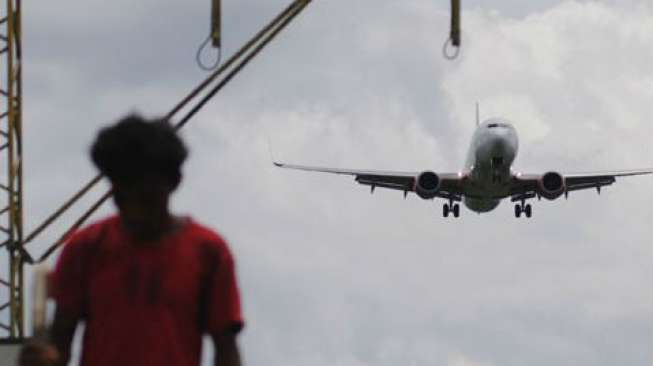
[445, 210]
[456, 210]
[517, 210]
[528, 210]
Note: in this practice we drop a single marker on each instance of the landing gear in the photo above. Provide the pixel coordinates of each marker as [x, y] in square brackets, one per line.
[523, 208]
[450, 208]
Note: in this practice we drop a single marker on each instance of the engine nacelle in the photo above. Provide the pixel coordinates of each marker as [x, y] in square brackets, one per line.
[551, 185]
[427, 184]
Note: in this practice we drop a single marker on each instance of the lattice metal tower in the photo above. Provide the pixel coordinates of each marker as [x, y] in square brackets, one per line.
[11, 173]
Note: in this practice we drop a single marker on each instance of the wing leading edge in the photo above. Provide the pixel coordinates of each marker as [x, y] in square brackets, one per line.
[451, 187]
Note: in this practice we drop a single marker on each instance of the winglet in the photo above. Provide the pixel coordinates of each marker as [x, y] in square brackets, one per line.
[271, 154]
[478, 116]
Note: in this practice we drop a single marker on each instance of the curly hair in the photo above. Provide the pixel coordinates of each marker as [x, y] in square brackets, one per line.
[135, 147]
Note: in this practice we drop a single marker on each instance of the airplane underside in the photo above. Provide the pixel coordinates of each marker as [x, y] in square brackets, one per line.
[484, 195]
[481, 205]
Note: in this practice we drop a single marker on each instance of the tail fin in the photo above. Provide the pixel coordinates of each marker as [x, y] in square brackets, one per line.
[478, 117]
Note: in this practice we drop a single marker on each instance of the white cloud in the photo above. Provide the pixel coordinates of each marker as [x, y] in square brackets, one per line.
[462, 360]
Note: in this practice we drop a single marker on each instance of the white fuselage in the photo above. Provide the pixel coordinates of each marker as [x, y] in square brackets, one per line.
[488, 167]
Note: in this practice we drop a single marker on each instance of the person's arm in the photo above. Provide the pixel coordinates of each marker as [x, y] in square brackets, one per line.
[61, 334]
[224, 319]
[226, 350]
[66, 287]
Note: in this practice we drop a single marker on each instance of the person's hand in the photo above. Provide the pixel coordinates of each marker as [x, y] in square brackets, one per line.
[39, 353]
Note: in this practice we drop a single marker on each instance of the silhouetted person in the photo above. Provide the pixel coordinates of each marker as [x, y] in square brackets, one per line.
[146, 283]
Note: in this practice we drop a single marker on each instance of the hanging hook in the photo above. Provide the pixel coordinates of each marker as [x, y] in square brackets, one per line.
[214, 36]
[450, 55]
[454, 34]
[198, 56]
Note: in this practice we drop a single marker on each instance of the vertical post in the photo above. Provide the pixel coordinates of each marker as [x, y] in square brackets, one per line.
[454, 33]
[216, 23]
[455, 23]
[11, 182]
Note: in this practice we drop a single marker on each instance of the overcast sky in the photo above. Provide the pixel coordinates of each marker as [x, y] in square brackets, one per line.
[332, 275]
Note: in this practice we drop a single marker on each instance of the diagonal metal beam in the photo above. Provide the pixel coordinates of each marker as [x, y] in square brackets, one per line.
[4, 306]
[5, 283]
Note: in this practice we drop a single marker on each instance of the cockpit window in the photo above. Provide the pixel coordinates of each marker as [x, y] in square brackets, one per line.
[493, 125]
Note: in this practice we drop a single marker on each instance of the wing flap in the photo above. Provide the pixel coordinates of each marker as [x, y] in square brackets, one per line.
[379, 183]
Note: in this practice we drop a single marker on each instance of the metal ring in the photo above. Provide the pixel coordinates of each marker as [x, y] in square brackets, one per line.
[198, 56]
[447, 55]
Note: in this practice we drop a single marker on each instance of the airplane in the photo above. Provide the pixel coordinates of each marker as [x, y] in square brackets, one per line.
[487, 178]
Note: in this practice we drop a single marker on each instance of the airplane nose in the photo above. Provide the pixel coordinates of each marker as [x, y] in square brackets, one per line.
[499, 145]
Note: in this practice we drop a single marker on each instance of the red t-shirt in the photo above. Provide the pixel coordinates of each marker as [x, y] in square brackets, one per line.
[147, 304]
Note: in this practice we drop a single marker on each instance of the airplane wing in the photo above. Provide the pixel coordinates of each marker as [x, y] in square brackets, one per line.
[529, 185]
[450, 183]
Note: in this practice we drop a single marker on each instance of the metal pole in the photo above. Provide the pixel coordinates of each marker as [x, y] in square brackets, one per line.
[11, 154]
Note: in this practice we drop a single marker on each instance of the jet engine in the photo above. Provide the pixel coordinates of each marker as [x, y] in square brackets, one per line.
[427, 184]
[551, 185]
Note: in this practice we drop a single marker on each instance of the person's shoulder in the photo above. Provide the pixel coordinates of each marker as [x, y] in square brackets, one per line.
[202, 232]
[88, 238]
[204, 235]
[93, 232]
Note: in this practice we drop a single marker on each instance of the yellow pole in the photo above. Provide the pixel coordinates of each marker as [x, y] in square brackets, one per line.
[455, 23]
[13, 148]
[216, 24]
